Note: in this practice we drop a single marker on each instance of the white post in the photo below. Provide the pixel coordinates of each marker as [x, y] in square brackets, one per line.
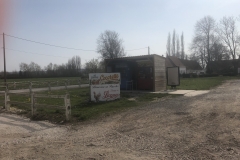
[65, 84]
[30, 87]
[79, 81]
[7, 100]
[49, 86]
[33, 108]
[67, 106]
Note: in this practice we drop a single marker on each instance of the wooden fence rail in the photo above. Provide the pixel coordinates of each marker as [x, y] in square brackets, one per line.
[24, 84]
[40, 84]
[34, 105]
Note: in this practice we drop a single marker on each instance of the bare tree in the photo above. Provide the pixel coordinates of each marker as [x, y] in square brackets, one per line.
[177, 47]
[110, 45]
[198, 51]
[49, 67]
[204, 38]
[31, 69]
[23, 67]
[182, 47]
[219, 52]
[205, 28]
[168, 52]
[173, 43]
[34, 67]
[229, 35]
[74, 65]
[92, 66]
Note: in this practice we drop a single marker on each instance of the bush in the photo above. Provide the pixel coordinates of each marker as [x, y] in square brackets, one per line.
[229, 74]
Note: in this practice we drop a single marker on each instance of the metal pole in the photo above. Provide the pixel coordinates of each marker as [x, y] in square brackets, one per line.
[148, 50]
[4, 60]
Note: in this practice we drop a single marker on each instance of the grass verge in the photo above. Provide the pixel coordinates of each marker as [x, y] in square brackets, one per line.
[204, 83]
[82, 108]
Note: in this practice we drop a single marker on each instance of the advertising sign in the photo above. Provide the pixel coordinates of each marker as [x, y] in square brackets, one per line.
[173, 78]
[104, 86]
[105, 92]
[104, 78]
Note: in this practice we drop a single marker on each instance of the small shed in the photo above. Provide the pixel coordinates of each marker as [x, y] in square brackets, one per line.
[147, 72]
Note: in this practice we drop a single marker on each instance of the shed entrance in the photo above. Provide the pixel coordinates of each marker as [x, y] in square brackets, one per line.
[135, 74]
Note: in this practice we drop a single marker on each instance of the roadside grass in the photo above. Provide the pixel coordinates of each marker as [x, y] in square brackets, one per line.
[203, 83]
[81, 108]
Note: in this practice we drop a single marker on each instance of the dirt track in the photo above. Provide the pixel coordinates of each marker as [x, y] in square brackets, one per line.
[201, 127]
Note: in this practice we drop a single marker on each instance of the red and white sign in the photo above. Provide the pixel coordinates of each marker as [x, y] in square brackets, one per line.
[105, 92]
[104, 86]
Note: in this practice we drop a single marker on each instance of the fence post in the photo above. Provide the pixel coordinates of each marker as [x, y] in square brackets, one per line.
[49, 86]
[30, 87]
[79, 82]
[14, 85]
[65, 84]
[33, 107]
[67, 106]
[7, 100]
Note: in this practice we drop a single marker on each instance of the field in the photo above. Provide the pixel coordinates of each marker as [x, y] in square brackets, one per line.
[204, 83]
[83, 109]
[43, 82]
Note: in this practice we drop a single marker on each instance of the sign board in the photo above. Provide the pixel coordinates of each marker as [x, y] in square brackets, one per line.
[173, 78]
[104, 78]
[104, 86]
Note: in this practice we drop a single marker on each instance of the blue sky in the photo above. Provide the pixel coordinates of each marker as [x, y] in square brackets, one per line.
[78, 23]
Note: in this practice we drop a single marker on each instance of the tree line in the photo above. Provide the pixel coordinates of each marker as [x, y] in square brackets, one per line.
[212, 41]
[33, 70]
[215, 41]
[175, 47]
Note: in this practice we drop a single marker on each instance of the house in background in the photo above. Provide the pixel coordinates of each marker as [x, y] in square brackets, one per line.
[185, 66]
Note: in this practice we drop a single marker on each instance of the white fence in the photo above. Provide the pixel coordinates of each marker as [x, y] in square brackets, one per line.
[43, 84]
[34, 105]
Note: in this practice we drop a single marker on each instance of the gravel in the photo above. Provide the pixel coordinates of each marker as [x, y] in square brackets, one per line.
[200, 127]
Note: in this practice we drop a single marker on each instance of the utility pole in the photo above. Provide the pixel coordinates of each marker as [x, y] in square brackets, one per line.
[4, 57]
[148, 50]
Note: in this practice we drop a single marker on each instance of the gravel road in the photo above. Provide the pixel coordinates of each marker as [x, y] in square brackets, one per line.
[201, 127]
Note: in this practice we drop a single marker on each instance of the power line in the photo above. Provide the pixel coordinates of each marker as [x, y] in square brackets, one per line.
[34, 53]
[63, 46]
[152, 51]
[49, 44]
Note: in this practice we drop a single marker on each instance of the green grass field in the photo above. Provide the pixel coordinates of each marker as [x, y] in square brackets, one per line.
[204, 83]
[83, 109]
